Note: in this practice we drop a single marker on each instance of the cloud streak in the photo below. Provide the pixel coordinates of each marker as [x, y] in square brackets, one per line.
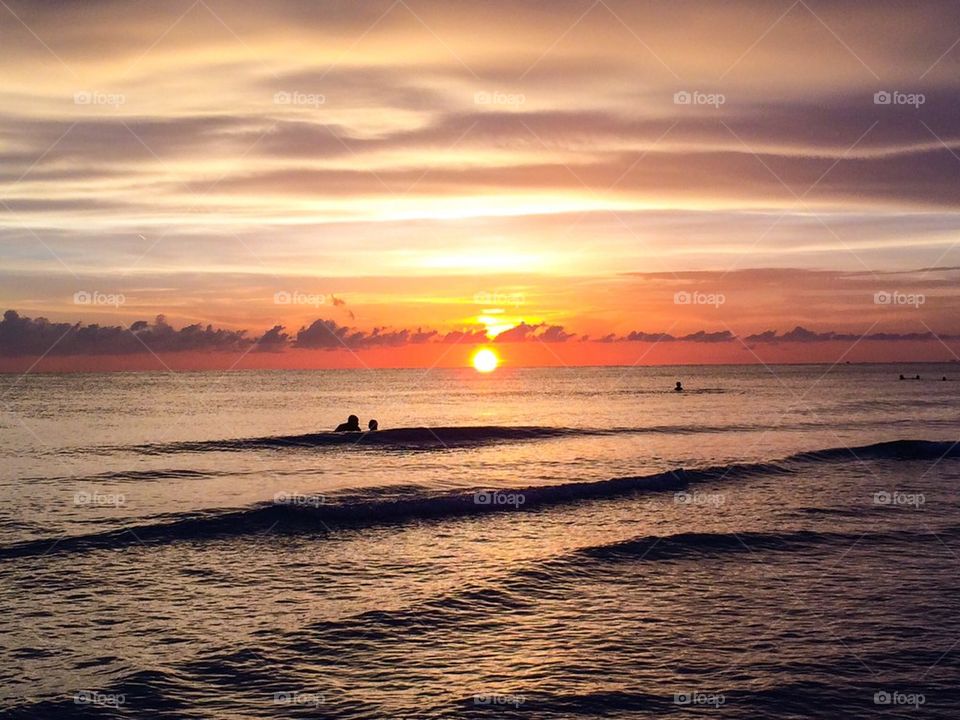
[803, 335]
[22, 336]
[199, 153]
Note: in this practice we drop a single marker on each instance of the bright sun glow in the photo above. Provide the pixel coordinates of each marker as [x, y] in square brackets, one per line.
[485, 361]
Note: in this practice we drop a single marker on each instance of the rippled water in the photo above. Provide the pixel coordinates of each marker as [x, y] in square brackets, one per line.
[773, 542]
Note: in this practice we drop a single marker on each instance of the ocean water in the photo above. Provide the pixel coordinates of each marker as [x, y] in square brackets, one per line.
[566, 543]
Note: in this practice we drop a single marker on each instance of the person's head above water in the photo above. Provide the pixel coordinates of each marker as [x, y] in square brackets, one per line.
[679, 386]
[352, 424]
[373, 425]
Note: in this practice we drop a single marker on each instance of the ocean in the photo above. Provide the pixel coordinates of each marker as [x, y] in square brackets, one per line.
[773, 542]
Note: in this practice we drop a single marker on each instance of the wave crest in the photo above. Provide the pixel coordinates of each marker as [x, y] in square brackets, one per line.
[294, 515]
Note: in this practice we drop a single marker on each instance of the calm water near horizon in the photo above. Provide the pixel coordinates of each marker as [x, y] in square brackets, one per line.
[542, 543]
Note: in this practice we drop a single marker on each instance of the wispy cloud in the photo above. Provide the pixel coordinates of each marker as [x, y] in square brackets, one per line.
[207, 151]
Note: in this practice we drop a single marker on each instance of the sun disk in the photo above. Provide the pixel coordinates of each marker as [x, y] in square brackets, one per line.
[485, 360]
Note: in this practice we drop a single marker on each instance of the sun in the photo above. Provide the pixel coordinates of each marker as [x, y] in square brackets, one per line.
[485, 360]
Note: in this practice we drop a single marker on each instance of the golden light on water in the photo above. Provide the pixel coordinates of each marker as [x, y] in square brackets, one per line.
[485, 360]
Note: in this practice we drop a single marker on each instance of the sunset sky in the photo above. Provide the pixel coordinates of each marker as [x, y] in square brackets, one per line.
[394, 183]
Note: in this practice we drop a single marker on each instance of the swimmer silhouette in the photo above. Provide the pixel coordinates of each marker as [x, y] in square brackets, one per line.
[351, 425]
[372, 425]
[917, 377]
[902, 377]
[679, 387]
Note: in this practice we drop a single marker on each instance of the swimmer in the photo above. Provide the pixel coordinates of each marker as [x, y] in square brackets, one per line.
[351, 425]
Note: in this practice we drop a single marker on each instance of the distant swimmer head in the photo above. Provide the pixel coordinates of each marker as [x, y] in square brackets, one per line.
[353, 420]
[679, 387]
[372, 425]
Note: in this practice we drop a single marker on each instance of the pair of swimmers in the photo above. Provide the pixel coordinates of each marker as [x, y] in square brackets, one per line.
[353, 425]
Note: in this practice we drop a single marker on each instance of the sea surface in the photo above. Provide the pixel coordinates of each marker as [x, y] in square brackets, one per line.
[774, 542]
